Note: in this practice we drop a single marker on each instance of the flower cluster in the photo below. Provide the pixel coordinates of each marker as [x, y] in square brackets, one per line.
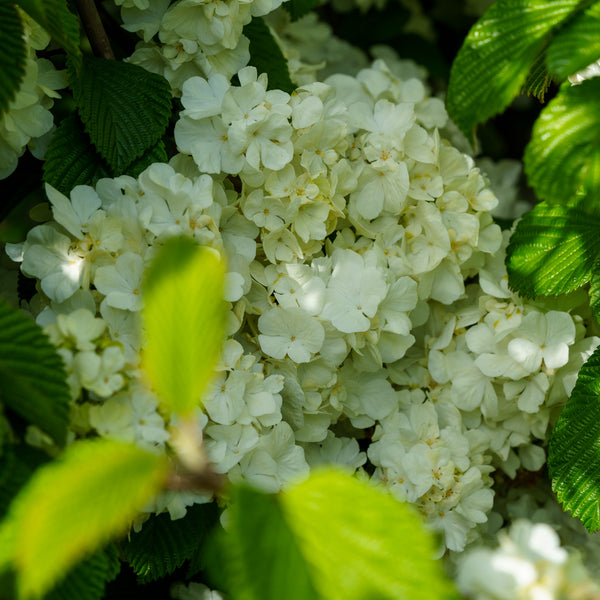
[529, 564]
[28, 122]
[192, 37]
[367, 292]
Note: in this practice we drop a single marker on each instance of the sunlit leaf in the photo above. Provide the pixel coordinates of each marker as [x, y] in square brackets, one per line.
[184, 316]
[554, 249]
[74, 505]
[577, 45]
[574, 451]
[562, 160]
[331, 537]
[498, 54]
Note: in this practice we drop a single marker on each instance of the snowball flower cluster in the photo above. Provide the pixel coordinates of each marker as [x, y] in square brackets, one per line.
[529, 564]
[367, 292]
[28, 122]
[192, 37]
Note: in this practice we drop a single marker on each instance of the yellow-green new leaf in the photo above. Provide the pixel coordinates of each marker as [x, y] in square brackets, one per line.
[184, 315]
[74, 505]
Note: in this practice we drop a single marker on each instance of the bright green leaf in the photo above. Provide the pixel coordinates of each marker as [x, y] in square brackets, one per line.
[562, 159]
[331, 537]
[12, 54]
[184, 317]
[553, 250]
[33, 382]
[362, 543]
[574, 451]
[496, 57]
[56, 18]
[125, 109]
[299, 8]
[163, 545]
[73, 505]
[577, 45]
[71, 159]
[266, 55]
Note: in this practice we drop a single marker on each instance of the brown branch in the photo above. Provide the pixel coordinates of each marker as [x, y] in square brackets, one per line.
[94, 29]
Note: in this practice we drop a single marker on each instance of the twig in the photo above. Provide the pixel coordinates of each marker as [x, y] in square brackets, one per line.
[94, 29]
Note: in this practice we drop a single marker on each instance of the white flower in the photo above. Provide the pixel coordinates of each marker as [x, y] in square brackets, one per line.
[121, 282]
[290, 332]
[354, 291]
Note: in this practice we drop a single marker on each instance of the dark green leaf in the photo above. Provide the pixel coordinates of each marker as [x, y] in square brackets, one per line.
[495, 59]
[266, 55]
[125, 109]
[163, 545]
[553, 249]
[12, 53]
[261, 557]
[32, 375]
[562, 160]
[577, 45]
[56, 18]
[157, 153]
[299, 8]
[88, 579]
[538, 80]
[574, 451]
[71, 159]
[18, 463]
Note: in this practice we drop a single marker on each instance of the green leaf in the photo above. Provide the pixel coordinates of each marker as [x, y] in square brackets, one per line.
[577, 45]
[125, 109]
[33, 382]
[331, 537]
[553, 249]
[156, 154]
[71, 159]
[18, 463]
[266, 55]
[496, 57]
[260, 556]
[12, 54]
[56, 18]
[299, 8]
[538, 80]
[74, 505]
[574, 451]
[184, 316]
[88, 579]
[562, 159]
[163, 545]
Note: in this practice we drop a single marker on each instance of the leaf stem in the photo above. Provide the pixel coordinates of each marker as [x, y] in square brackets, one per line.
[94, 29]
